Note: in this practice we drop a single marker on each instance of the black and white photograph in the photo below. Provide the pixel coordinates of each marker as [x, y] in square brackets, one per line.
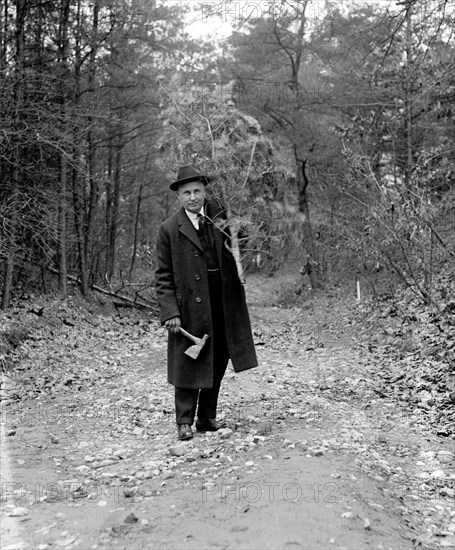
[227, 274]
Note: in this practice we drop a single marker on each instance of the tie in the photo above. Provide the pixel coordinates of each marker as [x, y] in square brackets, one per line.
[201, 222]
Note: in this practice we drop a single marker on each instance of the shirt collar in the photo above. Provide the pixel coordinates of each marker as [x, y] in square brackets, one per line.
[193, 216]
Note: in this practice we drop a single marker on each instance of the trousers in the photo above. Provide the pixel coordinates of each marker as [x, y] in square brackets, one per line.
[205, 401]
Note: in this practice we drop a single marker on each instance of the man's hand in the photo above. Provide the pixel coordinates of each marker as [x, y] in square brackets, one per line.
[173, 325]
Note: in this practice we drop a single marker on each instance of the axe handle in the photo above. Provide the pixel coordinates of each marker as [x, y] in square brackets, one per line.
[190, 336]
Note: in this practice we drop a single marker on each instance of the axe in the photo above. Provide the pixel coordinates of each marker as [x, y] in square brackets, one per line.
[194, 351]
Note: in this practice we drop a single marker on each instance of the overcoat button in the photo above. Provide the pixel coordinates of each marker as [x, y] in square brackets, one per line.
[197, 277]
[198, 300]
[196, 254]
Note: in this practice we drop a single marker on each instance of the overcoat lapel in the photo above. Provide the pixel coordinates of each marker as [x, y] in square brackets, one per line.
[218, 242]
[187, 228]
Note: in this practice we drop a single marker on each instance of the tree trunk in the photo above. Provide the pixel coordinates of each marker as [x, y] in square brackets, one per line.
[21, 6]
[78, 205]
[108, 215]
[300, 38]
[63, 270]
[62, 211]
[78, 183]
[112, 229]
[309, 249]
[292, 120]
[91, 153]
[408, 95]
[136, 230]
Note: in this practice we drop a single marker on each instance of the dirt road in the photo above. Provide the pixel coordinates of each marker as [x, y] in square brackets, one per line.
[310, 456]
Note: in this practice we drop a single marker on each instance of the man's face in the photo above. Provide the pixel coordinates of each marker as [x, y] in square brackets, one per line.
[191, 196]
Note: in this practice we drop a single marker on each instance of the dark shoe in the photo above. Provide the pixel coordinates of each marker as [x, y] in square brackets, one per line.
[207, 425]
[185, 432]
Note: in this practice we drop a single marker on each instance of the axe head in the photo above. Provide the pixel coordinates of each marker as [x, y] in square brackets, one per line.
[194, 351]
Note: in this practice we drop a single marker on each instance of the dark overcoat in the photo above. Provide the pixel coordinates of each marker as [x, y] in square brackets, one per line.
[182, 290]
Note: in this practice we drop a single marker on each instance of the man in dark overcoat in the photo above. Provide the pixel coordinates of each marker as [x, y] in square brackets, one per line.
[198, 288]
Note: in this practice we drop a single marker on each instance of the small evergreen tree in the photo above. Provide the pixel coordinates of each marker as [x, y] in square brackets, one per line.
[205, 128]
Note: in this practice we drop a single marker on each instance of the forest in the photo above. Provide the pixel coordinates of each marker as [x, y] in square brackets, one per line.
[328, 132]
[329, 128]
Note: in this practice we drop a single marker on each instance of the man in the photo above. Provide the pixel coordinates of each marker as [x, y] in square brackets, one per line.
[198, 288]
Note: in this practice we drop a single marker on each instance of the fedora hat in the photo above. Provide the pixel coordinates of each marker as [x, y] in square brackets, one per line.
[188, 173]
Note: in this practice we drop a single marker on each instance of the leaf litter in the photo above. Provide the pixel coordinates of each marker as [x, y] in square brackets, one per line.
[356, 390]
